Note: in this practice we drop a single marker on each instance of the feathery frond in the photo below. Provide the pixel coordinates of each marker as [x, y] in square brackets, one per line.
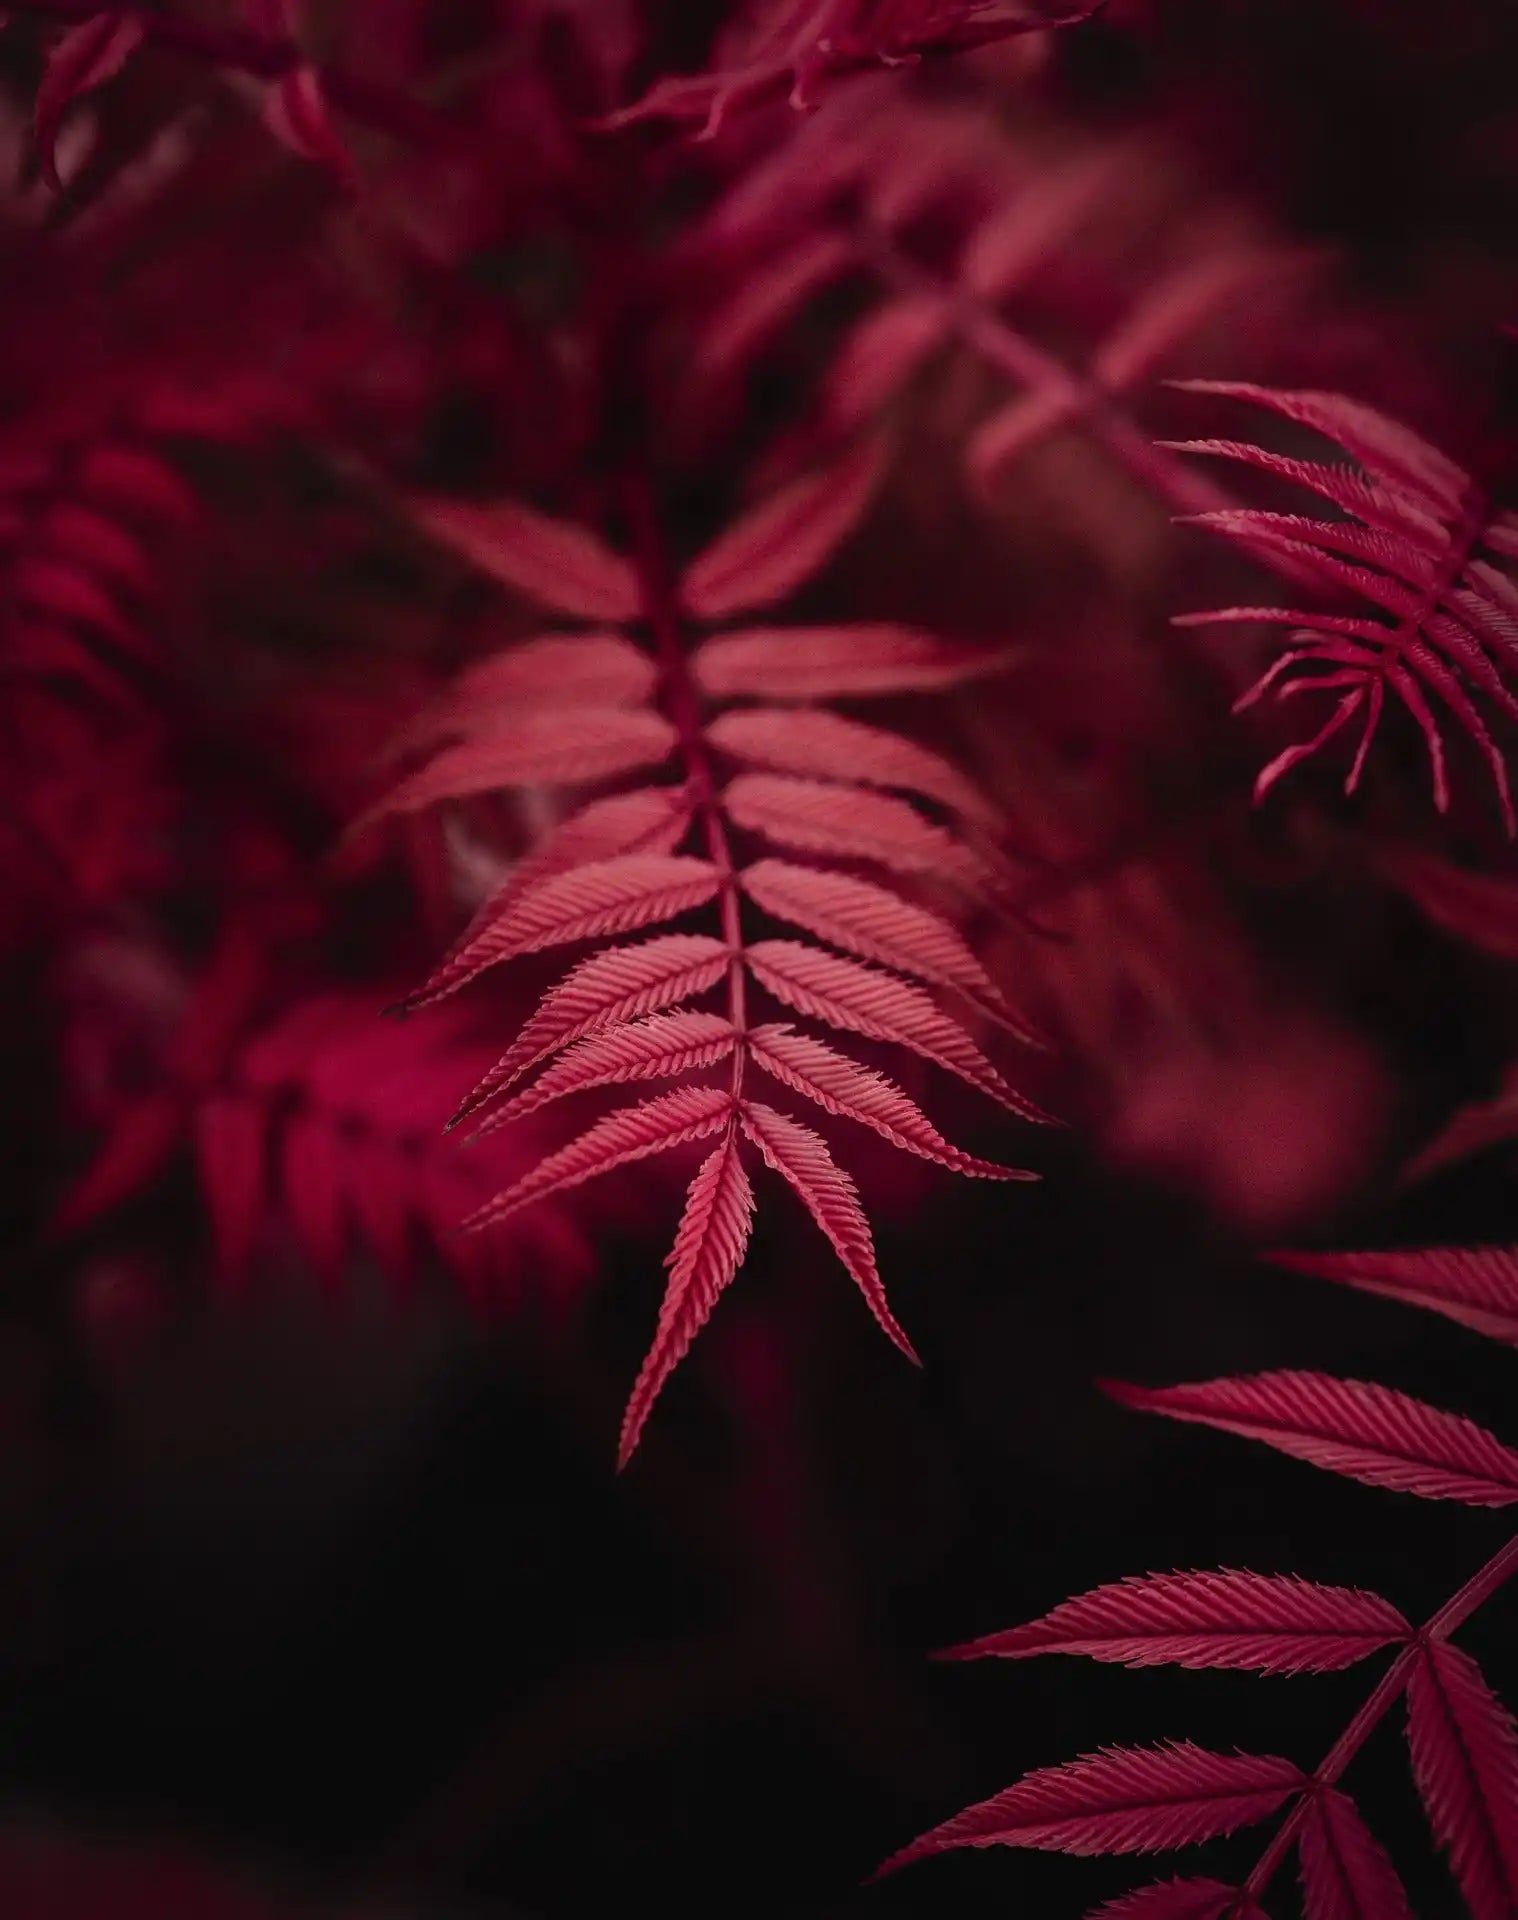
[575, 709]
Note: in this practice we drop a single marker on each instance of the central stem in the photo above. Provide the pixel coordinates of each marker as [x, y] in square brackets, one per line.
[682, 703]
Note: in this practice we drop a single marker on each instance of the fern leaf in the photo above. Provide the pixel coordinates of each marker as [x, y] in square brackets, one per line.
[878, 1006]
[829, 1195]
[827, 746]
[778, 546]
[1346, 1874]
[84, 57]
[597, 898]
[799, 664]
[709, 1247]
[1476, 1286]
[1273, 1623]
[657, 1048]
[559, 565]
[1464, 1749]
[841, 1086]
[1120, 1800]
[648, 820]
[582, 745]
[867, 920]
[668, 1120]
[814, 816]
[1354, 1427]
[1178, 1900]
[1446, 618]
[603, 991]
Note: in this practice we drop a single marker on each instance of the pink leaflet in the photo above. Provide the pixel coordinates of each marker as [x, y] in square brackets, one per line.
[1464, 1751]
[841, 1086]
[571, 749]
[848, 823]
[661, 1046]
[1477, 1286]
[552, 670]
[709, 1248]
[1176, 1900]
[85, 56]
[777, 546]
[1120, 1800]
[1354, 1427]
[1346, 1874]
[555, 562]
[839, 663]
[1273, 1623]
[829, 747]
[881, 355]
[829, 1195]
[598, 898]
[867, 920]
[653, 1126]
[1383, 446]
[1377, 505]
[647, 820]
[297, 114]
[859, 999]
[617, 985]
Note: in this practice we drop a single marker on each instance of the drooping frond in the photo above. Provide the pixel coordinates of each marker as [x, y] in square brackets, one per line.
[1464, 1748]
[1419, 544]
[580, 708]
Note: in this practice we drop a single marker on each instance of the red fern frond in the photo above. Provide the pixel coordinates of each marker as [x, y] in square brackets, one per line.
[1274, 1623]
[1346, 1874]
[1477, 1286]
[1464, 1749]
[570, 708]
[1120, 1800]
[1415, 547]
[1354, 1427]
